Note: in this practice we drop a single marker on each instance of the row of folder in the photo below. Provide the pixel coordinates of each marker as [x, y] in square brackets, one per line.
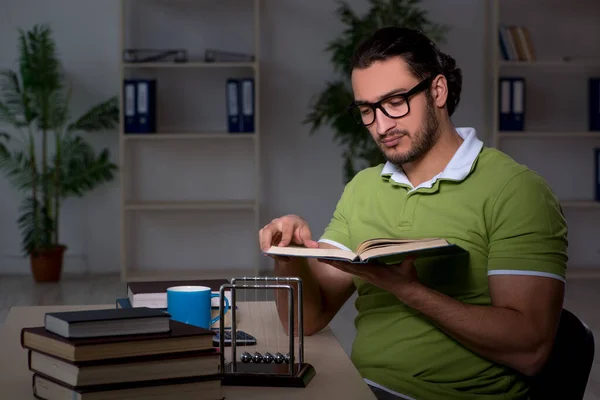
[140, 107]
[597, 172]
[512, 104]
[240, 105]
[512, 95]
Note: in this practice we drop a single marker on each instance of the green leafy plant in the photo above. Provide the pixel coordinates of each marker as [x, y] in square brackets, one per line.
[45, 158]
[329, 107]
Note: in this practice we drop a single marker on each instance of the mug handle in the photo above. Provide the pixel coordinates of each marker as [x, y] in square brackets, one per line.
[215, 319]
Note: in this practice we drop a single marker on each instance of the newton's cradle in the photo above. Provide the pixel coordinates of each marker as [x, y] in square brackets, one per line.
[265, 369]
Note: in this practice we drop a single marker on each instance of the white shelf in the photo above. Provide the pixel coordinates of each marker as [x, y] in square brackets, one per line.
[139, 152]
[591, 63]
[194, 64]
[551, 135]
[190, 136]
[191, 205]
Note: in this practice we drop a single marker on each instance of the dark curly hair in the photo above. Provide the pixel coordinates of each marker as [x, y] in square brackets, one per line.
[423, 57]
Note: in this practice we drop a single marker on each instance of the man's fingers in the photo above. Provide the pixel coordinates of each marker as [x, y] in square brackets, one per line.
[266, 236]
[286, 234]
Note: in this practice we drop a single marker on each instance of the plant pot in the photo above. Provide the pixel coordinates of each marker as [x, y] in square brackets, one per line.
[46, 264]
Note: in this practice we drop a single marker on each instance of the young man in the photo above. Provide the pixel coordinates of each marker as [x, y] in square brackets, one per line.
[469, 327]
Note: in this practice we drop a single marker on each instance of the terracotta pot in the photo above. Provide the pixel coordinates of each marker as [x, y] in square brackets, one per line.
[46, 264]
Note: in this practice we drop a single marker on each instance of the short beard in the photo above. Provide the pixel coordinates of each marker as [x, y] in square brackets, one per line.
[423, 140]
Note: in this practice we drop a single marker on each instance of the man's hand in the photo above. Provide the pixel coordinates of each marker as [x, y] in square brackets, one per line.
[325, 288]
[396, 279]
[289, 229]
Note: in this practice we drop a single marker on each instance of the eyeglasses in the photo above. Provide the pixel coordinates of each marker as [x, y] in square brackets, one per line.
[394, 106]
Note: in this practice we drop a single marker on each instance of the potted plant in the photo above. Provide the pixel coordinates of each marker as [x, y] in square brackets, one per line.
[44, 157]
[330, 105]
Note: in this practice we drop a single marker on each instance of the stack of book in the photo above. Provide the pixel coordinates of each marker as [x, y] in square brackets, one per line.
[123, 354]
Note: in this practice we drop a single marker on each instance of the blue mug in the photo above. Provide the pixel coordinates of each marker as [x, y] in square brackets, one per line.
[192, 305]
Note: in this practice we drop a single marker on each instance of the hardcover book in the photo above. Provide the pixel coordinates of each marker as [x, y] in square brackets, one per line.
[375, 251]
[123, 370]
[107, 322]
[206, 387]
[181, 337]
[154, 294]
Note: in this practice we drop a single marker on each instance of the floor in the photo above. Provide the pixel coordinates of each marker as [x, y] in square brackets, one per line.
[582, 298]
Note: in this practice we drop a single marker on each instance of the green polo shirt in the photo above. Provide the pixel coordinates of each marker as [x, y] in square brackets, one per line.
[510, 222]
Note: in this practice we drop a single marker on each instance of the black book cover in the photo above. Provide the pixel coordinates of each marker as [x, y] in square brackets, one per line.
[109, 314]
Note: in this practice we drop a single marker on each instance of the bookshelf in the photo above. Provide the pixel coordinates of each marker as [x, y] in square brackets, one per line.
[555, 140]
[191, 190]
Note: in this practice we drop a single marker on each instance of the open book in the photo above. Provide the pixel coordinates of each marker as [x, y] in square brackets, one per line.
[382, 250]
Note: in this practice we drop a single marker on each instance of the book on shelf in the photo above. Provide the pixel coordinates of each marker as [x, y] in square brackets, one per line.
[107, 322]
[515, 43]
[195, 388]
[154, 294]
[124, 370]
[180, 338]
[377, 251]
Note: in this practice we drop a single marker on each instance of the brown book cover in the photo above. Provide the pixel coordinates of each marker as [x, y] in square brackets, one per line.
[205, 387]
[122, 370]
[181, 337]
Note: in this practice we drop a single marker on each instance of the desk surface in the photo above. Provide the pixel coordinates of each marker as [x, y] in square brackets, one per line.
[336, 377]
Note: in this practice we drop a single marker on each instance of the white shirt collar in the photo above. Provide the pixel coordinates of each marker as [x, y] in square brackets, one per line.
[457, 169]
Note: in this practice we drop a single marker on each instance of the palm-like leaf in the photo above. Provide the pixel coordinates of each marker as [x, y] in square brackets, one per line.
[59, 102]
[103, 116]
[81, 169]
[16, 109]
[17, 165]
[36, 226]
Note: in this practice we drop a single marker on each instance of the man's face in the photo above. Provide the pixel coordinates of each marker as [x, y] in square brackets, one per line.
[402, 140]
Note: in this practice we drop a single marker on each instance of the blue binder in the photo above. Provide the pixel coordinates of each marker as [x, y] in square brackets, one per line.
[594, 104]
[597, 173]
[511, 103]
[247, 107]
[233, 97]
[129, 106]
[146, 105]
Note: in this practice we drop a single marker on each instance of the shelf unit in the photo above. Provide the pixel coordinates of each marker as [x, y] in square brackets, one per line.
[159, 229]
[556, 142]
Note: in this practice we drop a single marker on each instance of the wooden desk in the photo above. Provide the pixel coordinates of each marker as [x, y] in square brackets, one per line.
[336, 376]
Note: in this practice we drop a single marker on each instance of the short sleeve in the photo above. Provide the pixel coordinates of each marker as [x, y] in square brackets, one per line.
[337, 232]
[528, 231]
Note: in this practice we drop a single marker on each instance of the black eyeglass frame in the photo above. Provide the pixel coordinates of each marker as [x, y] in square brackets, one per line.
[419, 87]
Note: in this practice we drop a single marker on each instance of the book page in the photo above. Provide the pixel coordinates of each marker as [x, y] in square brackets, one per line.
[383, 242]
[402, 247]
[293, 251]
